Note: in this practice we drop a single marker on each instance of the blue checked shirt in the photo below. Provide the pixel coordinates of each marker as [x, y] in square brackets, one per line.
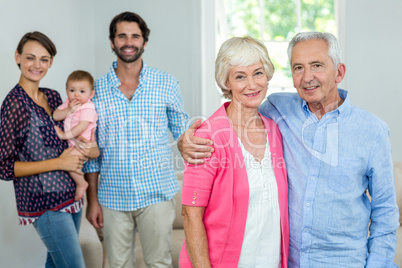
[330, 164]
[135, 164]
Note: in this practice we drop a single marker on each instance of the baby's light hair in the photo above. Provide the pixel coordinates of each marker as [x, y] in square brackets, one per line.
[80, 75]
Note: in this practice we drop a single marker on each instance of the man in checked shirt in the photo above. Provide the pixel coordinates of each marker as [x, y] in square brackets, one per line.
[136, 105]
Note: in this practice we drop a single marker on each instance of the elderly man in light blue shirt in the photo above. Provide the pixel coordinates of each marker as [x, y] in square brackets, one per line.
[337, 155]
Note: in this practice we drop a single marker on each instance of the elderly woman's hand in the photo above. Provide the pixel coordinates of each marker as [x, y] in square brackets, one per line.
[88, 148]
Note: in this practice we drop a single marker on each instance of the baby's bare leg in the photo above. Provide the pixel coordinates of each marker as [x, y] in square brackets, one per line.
[81, 184]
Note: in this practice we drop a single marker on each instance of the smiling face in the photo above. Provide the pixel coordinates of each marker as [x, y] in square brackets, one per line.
[79, 90]
[314, 75]
[34, 62]
[248, 85]
[128, 43]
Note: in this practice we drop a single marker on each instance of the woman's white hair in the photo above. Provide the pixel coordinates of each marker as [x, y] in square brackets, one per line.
[333, 47]
[240, 51]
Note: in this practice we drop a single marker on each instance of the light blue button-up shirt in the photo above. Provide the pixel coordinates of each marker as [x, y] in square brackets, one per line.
[135, 164]
[330, 163]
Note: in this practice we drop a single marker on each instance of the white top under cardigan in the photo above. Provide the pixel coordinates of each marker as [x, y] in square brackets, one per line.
[262, 238]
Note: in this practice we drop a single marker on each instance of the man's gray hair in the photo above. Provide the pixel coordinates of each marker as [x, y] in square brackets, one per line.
[333, 47]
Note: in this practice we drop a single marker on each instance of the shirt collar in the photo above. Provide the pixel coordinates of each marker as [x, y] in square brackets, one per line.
[115, 80]
[346, 101]
[341, 109]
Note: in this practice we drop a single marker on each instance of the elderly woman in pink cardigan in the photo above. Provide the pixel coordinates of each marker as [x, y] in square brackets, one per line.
[235, 207]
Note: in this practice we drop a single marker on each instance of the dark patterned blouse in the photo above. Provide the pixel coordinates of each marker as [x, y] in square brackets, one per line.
[27, 134]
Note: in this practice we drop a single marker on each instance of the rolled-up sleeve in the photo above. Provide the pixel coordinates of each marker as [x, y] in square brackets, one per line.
[176, 114]
[93, 165]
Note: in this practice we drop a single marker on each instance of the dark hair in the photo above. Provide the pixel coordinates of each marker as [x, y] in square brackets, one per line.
[80, 75]
[129, 17]
[41, 39]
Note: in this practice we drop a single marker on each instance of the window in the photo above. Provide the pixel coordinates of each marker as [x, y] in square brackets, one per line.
[276, 22]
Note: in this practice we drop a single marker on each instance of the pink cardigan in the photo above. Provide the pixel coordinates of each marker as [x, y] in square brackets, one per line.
[221, 185]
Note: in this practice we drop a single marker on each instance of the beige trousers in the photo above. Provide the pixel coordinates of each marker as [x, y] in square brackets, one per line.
[154, 225]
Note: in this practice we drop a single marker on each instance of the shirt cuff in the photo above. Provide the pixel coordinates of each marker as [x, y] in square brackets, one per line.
[91, 166]
[195, 197]
[378, 261]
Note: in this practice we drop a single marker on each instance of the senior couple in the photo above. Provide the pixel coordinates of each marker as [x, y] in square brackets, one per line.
[243, 207]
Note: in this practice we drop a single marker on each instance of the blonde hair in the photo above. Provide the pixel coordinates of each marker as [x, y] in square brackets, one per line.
[240, 51]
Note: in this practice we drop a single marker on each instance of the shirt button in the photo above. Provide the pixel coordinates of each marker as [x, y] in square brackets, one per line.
[194, 197]
[195, 193]
[305, 230]
[312, 178]
[316, 153]
[193, 202]
[303, 253]
[308, 204]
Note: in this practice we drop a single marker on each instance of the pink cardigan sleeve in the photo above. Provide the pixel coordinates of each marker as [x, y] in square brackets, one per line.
[198, 179]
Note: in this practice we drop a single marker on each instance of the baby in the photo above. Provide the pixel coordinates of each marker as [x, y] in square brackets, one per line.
[79, 115]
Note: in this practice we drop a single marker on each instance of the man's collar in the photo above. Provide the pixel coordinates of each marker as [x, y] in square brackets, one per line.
[115, 79]
[341, 109]
[346, 101]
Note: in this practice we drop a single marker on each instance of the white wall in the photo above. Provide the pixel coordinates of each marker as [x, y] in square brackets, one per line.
[372, 41]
